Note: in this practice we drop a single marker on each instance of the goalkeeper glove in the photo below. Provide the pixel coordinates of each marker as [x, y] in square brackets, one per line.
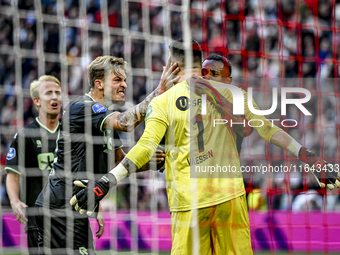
[88, 198]
[320, 169]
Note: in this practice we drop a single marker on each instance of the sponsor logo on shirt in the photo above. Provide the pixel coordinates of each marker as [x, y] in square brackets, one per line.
[97, 108]
[10, 154]
[182, 103]
[45, 161]
[39, 144]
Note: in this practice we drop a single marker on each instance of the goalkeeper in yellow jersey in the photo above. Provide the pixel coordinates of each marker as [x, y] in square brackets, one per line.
[206, 199]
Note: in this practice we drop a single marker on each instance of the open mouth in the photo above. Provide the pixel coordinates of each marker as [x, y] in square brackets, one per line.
[54, 105]
[121, 93]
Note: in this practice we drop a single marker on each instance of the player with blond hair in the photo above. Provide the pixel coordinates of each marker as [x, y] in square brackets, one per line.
[31, 155]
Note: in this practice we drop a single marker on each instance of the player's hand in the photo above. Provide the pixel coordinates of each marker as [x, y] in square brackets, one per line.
[159, 158]
[199, 84]
[203, 86]
[169, 77]
[101, 223]
[19, 211]
[322, 171]
[160, 154]
[88, 198]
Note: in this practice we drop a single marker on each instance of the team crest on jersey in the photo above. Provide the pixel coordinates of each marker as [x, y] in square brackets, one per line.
[10, 154]
[83, 251]
[39, 144]
[97, 108]
[182, 103]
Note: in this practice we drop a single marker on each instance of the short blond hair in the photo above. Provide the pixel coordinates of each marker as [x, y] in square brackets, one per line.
[103, 66]
[34, 87]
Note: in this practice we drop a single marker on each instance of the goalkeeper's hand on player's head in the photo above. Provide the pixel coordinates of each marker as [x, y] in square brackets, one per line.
[87, 199]
[322, 171]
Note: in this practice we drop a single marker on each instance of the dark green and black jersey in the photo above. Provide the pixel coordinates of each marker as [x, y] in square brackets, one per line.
[31, 155]
[84, 149]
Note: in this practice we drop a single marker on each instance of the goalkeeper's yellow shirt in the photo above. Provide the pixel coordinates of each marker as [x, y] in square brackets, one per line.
[202, 165]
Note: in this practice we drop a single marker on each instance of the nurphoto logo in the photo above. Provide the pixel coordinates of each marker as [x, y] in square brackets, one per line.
[238, 104]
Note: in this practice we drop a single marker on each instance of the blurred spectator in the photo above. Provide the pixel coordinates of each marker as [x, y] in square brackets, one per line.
[51, 38]
[307, 201]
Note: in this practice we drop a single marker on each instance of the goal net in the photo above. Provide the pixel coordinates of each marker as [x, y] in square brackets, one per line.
[271, 45]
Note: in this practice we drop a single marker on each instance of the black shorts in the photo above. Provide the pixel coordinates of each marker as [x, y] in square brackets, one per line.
[54, 237]
[32, 230]
[32, 241]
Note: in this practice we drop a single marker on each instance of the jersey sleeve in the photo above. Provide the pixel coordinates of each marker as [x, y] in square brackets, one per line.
[93, 113]
[117, 142]
[158, 110]
[156, 124]
[12, 158]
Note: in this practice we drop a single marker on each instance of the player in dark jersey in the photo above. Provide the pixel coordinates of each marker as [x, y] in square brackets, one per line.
[218, 68]
[31, 155]
[89, 147]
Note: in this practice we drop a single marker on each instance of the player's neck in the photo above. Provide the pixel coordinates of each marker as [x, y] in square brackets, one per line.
[98, 96]
[185, 74]
[50, 122]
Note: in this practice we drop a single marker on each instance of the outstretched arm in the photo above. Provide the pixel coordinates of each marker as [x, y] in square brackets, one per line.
[131, 118]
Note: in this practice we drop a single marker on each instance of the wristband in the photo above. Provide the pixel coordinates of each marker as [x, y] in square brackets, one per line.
[119, 172]
[294, 147]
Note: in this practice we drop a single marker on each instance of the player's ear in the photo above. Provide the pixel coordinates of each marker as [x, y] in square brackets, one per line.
[36, 101]
[99, 84]
[229, 80]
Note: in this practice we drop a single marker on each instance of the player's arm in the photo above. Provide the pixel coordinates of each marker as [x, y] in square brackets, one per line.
[130, 119]
[119, 155]
[12, 186]
[222, 105]
[101, 222]
[138, 156]
[282, 140]
[322, 171]
[156, 160]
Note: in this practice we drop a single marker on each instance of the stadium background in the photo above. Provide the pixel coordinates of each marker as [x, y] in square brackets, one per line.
[270, 43]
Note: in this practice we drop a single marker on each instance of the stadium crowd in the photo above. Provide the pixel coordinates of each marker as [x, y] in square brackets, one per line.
[260, 52]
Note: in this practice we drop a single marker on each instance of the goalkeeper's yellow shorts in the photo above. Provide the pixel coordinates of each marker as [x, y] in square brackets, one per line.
[221, 229]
